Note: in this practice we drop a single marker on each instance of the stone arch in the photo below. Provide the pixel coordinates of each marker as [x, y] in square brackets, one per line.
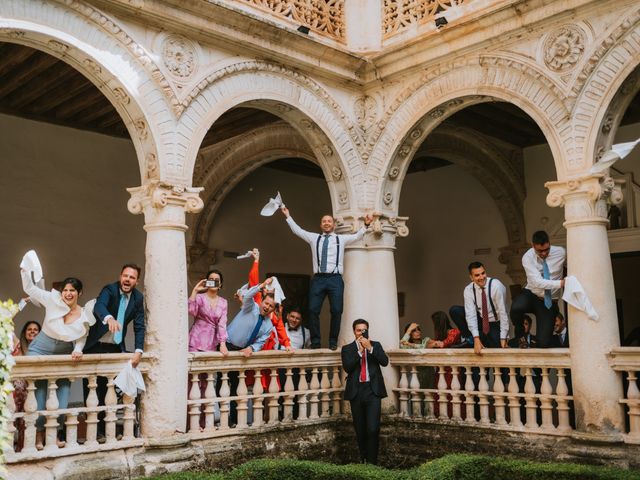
[221, 169]
[296, 99]
[62, 32]
[480, 80]
[600, 93]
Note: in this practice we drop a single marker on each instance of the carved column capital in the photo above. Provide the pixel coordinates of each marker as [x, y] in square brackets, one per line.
[164, 205]
[585, 199]
[382, 231]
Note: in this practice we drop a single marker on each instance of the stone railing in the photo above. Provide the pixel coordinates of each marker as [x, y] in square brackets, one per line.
[627, 361]
[324, 17]
[266, 389]
[80, 422]
[521, 390]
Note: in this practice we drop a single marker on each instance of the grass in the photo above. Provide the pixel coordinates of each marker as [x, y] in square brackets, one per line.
[450, 467]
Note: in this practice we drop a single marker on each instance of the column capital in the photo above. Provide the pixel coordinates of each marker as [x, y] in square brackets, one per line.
[152, 198]
[382, 231]
[585, 199]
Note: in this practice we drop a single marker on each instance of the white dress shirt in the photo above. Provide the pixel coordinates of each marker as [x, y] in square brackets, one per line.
[498, 295]
[315, 241]
[296, 338]
[536, 282]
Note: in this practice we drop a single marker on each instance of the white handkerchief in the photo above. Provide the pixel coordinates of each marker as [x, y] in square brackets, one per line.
[31, 263]
[130, 380]
[272, 206]
[617, 152]
[575, 296]
[244, 255]
[278, 293]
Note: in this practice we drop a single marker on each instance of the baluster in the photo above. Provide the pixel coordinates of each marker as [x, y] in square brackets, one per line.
[442, 393]
[72, 429]
[129, 418]
[193, 406]
[258, 399]
[225, 404]
[634, 408]
[403, 396]
[92, 414]
[325, 385]
[273, 398]
[30, 407]
[314, 386]
[416, 396]
[288, 402]
[498, 398]
[11, 428]
[456, 398]
[546, 405]
[514, 399]
[241, 402]
[51, 425]
[111, 402]
[469, 400]
[530, 398]
[336, 386]
[483, 397]
[563, 404]
[303, 402]
[210, 406]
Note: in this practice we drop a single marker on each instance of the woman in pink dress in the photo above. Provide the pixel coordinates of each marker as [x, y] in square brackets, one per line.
[209, 330]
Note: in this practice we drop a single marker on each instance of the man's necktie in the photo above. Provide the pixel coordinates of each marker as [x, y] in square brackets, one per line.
[547, 276]
[324, 255]
[363, 366]
[485, 313]
[122, 308]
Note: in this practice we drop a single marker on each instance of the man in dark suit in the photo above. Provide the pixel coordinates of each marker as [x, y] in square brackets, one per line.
[560, 337]
[118, 304]
[361, 360]
[527, 340]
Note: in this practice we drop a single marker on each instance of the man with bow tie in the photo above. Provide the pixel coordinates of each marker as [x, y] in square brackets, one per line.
[298, 335]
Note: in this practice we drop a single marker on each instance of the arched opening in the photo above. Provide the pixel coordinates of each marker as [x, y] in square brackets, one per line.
[473, 191]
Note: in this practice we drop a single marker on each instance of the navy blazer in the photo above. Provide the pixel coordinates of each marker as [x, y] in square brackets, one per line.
[107, 303]
[351, 364]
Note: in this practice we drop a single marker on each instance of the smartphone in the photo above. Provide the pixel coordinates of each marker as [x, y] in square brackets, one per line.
[212, 283]
[365, 333]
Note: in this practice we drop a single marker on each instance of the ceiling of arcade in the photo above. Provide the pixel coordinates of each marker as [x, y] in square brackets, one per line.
[37, 86]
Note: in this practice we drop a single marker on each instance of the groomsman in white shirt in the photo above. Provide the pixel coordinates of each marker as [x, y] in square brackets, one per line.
[544, 266]
[298, 335]
[327, 252]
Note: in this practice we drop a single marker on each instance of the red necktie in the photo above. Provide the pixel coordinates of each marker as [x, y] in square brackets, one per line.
[485, 313]
[363, 366]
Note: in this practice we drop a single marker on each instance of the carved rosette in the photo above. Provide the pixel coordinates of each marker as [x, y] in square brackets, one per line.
[152, 198]
[563, 48]
[179, 56]
[584, 199]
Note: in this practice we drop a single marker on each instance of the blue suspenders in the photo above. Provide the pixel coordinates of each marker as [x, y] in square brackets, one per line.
[337, 253]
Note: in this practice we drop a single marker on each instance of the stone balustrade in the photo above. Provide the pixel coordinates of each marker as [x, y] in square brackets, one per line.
[626, 360]
[81, 422]
[273, 388]
[522, 390]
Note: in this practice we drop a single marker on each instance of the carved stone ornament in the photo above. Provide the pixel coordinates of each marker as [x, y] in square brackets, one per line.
[436, 113]
[15, 34]
[158, 195]
[93, 66]
[396, 226]
[342, 198]
[283, 108]
[388, 198]
[365, 110]
[415, 134]
[179, 56]
[58, 46]
[121, 95]
[394, 172]
[141, 127]
[306, 124]
[326, 150]
[152, 166]
[563, 48]
[404, 150]
[336, 172]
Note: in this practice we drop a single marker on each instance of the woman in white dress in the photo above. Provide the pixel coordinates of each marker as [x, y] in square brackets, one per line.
[64, 331]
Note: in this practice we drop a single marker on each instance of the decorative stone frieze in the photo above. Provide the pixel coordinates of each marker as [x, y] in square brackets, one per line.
[365, 109]
[152, 198]
[382, 231]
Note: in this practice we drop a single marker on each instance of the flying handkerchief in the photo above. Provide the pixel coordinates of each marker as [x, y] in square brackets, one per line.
[244, 255]
[575, 296]
[278, 293]
[617, 152]
[272, 206]
[31, 263]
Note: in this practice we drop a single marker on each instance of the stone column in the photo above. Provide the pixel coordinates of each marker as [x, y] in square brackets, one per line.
[597, 388]
[165, 288]
[371, 291]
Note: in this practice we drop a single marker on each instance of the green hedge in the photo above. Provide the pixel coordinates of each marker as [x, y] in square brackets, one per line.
[450, 467]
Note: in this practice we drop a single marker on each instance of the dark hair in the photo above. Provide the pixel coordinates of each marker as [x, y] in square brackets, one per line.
[441, 324]
[540, 237]
[473, 266]
[294, 308]
[560, 316]
[24, 345]
[219, 273]
[131, 265]
[358, 322]
[527, 318]
[74, 282]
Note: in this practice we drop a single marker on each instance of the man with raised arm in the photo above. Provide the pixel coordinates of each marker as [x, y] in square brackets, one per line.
[327, 251]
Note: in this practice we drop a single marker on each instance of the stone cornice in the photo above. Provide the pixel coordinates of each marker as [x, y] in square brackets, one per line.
[152, 198]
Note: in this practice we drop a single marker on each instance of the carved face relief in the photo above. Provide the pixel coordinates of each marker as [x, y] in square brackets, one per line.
[179, 56]
[563, 48]
[336, 173]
